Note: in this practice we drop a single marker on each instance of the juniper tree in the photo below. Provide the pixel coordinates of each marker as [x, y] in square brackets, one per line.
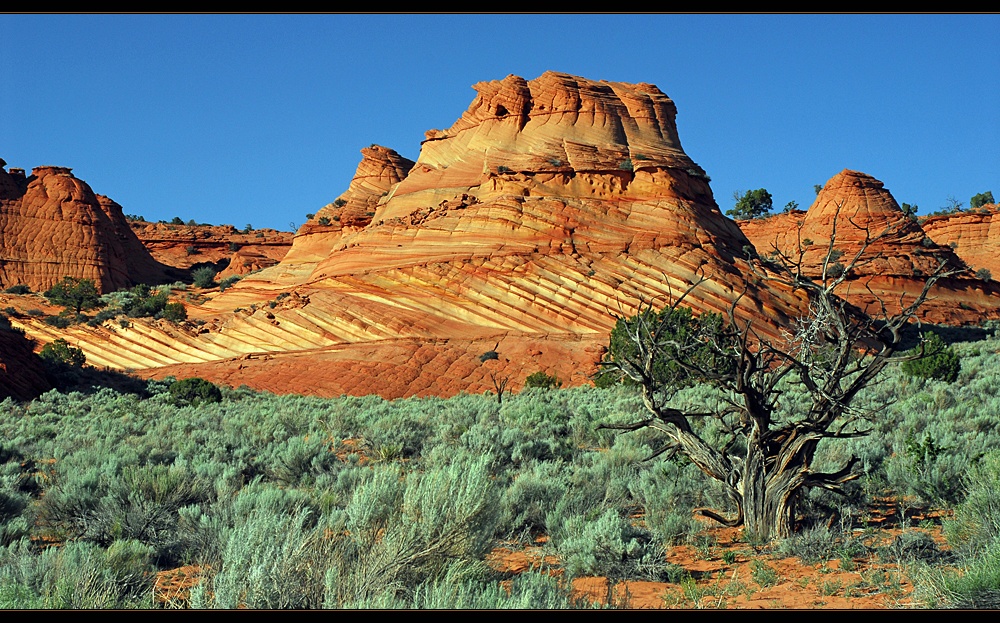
[765, 458]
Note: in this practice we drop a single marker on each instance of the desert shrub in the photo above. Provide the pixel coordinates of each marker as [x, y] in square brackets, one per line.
[976, 525]
[61, 353]
[270, 560]
[103, 315]
[488, 355]
[751, 204]
[204, 277]
[984, 274]
[400, 533]
[298, 460]
[541, 380]
[973, 533]
[610, 545]
[526, 591]
[18, 289]
[142, 505]
[938, 361]
[228, 281]
[194, 391]
[811, 545]
[981, 199]
[75, 294]
[925, 468]
[324, 220]
[911, 546]
[77, 575]
[60, 322]
[145, 302]
[191, 249]
[668, 493]
[175, 312]
[527, 501]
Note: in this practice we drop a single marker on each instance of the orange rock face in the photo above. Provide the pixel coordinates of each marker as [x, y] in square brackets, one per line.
[549, 208]
[974, 235]
[53, 225]
[184, 246]
[380, 169]
[892, 266]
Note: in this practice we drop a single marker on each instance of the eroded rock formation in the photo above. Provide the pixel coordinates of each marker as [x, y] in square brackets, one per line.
[974, 235]
[234, 251]
[53, 225]
[549, 208]
[893, 255]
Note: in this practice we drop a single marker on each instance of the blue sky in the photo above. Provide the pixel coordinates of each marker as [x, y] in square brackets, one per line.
[259, 119]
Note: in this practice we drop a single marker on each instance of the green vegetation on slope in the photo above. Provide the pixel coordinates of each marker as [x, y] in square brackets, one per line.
[289, 501]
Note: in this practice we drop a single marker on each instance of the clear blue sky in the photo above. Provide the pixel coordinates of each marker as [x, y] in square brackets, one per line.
[260, 118]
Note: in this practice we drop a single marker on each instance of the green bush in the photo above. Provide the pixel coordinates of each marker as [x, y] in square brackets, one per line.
[937, 361]
[981, 199]
[984, 274]
[194, 391]
[60, 322]
[228, 281]
[541, 380]
[204, 277]
[751, 204]
[60, 352]
[175, 312]
[18, 289]
[77, 294]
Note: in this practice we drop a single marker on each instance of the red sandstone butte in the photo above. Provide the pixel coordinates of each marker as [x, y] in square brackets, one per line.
[52, 225]
[892, 268]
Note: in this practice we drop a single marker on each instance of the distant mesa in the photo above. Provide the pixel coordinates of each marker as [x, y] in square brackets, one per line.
[224, 247]
[53, 225]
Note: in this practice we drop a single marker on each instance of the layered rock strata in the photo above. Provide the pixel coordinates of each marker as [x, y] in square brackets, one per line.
[974, 235]
[52, 225]
[548, 209]
[892, 256]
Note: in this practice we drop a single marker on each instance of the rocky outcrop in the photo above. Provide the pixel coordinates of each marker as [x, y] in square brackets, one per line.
[549, 208]
[233, 251]
[52, 225]
[380, 169]
[891, 255]
[974, 235]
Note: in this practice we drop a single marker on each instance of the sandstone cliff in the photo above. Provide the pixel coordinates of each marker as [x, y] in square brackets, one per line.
[185, 246]
[974, 235]
[551, 206]
[892, 256]
[53, 225]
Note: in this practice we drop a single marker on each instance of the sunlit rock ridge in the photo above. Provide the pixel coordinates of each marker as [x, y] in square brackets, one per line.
[549, 208]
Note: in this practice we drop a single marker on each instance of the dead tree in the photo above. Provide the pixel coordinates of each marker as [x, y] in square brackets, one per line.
[766, 462]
